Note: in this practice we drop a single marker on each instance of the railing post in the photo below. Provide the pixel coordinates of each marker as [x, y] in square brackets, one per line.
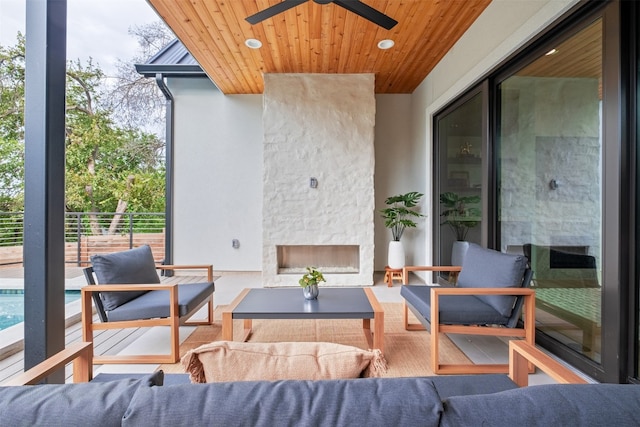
[79, 237]
[130, 230]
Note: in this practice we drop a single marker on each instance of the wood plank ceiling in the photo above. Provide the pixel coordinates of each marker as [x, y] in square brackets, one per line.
[317, 38]
[580, 56]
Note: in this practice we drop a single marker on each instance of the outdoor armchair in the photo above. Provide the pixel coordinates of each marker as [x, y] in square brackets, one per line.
[130, 295]
[491, 291]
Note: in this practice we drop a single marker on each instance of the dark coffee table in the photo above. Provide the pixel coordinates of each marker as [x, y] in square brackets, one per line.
[289, 303]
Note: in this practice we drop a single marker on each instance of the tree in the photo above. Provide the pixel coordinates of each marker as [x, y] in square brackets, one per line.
[11, 126]
[109, 168]
[136, 101]
[107, 165]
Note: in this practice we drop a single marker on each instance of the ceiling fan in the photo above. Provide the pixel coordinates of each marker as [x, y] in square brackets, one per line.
[355, 6]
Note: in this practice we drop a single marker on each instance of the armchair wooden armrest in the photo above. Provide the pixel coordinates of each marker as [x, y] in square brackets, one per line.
[453, 269]
[209, 269]
[80, 353]
[128, 287]
[522, 353]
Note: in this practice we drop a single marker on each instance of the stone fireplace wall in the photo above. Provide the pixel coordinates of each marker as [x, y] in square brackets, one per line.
[318, 127]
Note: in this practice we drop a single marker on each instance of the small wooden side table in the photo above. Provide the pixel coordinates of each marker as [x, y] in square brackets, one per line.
[391, 274]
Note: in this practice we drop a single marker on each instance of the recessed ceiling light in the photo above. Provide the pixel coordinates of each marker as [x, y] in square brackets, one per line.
[551, 52]
[253, 43]
[385, 44]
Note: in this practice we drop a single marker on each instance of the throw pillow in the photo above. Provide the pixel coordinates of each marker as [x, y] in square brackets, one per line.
[486, 268]
[240, 361]
[126, 267]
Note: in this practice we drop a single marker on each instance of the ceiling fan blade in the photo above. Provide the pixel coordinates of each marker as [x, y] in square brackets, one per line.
[273, 10]
[367, 12]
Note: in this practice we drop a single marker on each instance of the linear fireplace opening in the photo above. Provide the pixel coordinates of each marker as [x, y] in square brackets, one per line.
[292, 259]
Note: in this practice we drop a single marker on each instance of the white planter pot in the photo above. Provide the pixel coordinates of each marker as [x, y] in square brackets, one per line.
[395, 256]
[458, 252]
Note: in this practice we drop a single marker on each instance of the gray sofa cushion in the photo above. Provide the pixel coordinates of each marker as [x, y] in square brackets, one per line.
[454, 310]
[155, 304]
[132, 266]
[464, 385]
[167, 379]
[360, 402]
[486, 268]
[548, 405]
[85, 404]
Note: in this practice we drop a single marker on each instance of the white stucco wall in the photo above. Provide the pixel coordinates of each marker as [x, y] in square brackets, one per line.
[400, 168]
[318, 126]
[218, 176]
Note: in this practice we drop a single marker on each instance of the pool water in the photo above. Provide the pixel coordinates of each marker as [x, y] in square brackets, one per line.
[12, 305]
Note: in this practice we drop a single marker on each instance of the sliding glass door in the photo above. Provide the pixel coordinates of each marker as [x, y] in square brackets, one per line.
[550, 183]
[459, 177]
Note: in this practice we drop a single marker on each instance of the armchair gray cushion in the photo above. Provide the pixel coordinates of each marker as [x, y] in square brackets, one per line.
[156, 303]
[454, 310]
[486, 268]
[126, 267]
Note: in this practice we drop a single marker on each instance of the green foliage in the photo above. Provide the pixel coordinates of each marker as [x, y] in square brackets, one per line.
[457, 213]
[397, 216]
[109, 167]
[311, 277]
[11, 126]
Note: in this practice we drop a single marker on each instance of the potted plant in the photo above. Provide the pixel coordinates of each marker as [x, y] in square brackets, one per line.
[460, 217]
[310, 281]
[397, 217]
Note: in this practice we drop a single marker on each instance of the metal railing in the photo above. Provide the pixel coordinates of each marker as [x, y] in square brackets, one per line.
[88, 233]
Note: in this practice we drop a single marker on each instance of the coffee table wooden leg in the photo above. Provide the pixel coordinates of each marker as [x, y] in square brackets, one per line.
[375, 339]
[247, 329]
[378, 330]
[227, 317]
[227, 326]
[366, 327]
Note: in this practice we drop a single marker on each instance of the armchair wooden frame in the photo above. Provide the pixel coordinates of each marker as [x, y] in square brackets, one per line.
[522, 355]
[453, 271]
[526, 332]
[174, 321]
[80, 353]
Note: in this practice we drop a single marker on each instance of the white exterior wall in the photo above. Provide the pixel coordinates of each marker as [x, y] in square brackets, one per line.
[400, 168]
[216, 201]
[217, 177]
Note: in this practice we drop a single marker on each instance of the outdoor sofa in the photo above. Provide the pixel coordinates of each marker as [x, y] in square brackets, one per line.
[488, 400]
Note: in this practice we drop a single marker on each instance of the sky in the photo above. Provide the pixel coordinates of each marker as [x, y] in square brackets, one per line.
[95, 28]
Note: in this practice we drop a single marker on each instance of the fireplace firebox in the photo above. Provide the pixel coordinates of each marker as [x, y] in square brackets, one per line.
[343, 259]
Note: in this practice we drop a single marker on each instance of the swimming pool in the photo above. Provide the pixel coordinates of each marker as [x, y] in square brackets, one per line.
[12, 305]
